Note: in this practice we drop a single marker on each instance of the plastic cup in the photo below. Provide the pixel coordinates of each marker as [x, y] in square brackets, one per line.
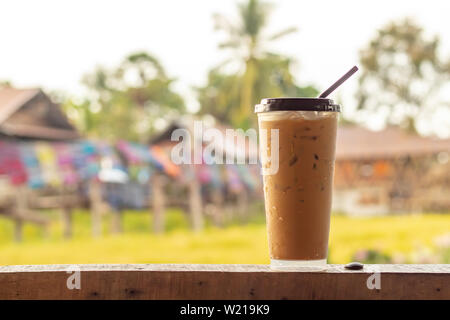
[297, 149]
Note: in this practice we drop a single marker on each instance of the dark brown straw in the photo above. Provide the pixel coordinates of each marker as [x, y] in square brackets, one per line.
[339, 82]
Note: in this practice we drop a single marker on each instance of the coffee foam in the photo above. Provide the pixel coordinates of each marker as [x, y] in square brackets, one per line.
[284, 115]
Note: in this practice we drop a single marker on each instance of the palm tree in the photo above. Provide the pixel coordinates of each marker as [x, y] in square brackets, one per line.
[248, 41]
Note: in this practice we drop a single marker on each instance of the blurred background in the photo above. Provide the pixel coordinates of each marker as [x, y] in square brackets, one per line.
[90, 93]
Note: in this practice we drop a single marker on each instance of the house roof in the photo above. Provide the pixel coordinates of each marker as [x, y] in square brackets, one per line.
[11, 99]
[359, 143]
[19, 122]
[228, 144]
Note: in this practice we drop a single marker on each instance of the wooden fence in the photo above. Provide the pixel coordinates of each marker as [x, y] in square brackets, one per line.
[23, 206]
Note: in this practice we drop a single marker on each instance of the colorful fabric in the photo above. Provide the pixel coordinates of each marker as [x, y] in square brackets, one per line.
[141, 162]
[32, 166]
[41, 164]
[11, 164]
[65, 162]
[48, 161]
[137, 154]
[126, 195]
[85, 159]
[169, 167]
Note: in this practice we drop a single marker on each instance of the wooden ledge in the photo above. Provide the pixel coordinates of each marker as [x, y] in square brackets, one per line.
[208, 281]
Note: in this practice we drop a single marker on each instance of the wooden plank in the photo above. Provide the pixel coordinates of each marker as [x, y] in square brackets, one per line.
[55, 202]
[26, 216]
[224, 282]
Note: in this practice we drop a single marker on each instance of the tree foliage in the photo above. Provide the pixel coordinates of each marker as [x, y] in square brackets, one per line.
[125, 102]
[402, 74]
[261, 73]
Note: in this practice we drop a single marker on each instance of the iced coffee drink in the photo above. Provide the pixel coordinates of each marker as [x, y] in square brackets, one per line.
[298, 189]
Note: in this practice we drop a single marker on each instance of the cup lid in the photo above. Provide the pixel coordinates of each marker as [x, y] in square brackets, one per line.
[297, 104]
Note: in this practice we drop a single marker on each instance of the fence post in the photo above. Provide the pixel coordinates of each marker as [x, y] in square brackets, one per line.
[158, 203]
[18, 224]
[116, 220]
[218, 213]
[67, 221]
[66, 214]
[242, 204]
[195, 204]
[95, 197]
[21, 206]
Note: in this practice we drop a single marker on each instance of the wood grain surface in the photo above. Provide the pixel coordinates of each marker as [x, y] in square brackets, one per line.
[192, 282]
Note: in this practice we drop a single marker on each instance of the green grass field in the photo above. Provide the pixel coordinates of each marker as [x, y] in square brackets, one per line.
[232, 244]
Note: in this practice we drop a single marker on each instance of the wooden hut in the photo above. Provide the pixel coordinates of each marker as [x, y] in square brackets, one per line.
[378, 172]
[214, 199]
[31, 114]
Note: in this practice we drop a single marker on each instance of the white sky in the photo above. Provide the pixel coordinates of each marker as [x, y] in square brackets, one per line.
[51, 44]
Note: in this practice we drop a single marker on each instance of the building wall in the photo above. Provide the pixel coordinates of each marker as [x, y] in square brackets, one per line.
[382, 186]
[368, 201]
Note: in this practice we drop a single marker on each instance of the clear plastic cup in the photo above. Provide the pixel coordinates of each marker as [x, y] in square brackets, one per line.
[297, 149]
